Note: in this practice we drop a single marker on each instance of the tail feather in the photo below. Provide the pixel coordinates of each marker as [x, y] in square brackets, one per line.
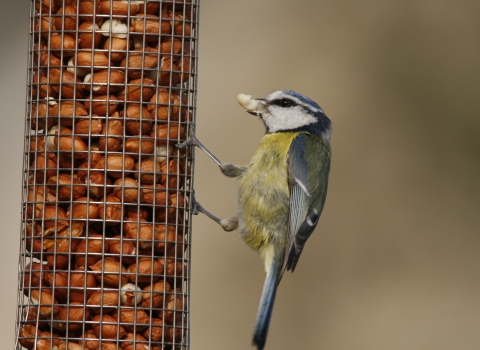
[266, 305]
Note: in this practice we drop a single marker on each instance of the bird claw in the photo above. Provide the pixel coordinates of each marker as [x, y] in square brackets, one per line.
[195, 205]
[191, 141]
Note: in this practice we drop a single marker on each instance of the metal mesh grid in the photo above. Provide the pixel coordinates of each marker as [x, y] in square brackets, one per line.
[105, 244]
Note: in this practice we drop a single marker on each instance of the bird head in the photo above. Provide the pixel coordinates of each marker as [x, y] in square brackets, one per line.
[287, 110]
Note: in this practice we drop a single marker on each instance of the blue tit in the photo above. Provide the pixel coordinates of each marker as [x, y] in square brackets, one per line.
[282, 191]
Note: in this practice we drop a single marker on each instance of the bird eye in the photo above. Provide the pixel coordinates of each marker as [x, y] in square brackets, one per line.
[284, 102]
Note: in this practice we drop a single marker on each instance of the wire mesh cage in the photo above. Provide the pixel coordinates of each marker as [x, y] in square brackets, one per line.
[105, 232]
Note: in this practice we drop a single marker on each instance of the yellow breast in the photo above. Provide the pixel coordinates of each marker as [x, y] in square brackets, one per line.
[264, 193]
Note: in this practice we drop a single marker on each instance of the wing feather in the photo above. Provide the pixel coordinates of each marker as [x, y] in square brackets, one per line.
[308, 184]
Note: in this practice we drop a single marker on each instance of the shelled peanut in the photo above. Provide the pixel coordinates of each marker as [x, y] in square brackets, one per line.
[105, 230]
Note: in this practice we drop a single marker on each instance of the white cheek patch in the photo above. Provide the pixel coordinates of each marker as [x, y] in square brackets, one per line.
[286, 118]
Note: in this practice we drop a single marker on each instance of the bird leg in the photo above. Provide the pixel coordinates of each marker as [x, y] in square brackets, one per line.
[227, 169]
[228, 225]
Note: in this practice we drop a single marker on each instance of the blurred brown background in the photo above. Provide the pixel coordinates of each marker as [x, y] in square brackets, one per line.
[395, 260]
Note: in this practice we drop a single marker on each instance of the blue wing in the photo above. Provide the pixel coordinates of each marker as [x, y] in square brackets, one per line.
[308, 167]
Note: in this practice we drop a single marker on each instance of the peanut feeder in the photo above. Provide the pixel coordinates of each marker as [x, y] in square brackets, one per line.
[105, 252]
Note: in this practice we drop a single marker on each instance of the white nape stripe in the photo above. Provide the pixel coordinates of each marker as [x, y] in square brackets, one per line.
[306, 105]
[326, 134]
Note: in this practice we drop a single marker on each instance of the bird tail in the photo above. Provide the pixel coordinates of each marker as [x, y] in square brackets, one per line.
[266, 304]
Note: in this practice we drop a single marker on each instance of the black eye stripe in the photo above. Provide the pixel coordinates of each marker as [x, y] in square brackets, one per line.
[284, 102]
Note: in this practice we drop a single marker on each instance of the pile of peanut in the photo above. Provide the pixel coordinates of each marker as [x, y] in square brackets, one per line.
[105, 228]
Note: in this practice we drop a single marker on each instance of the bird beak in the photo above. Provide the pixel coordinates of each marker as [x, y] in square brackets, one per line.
[255, 106]
[261, 107]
